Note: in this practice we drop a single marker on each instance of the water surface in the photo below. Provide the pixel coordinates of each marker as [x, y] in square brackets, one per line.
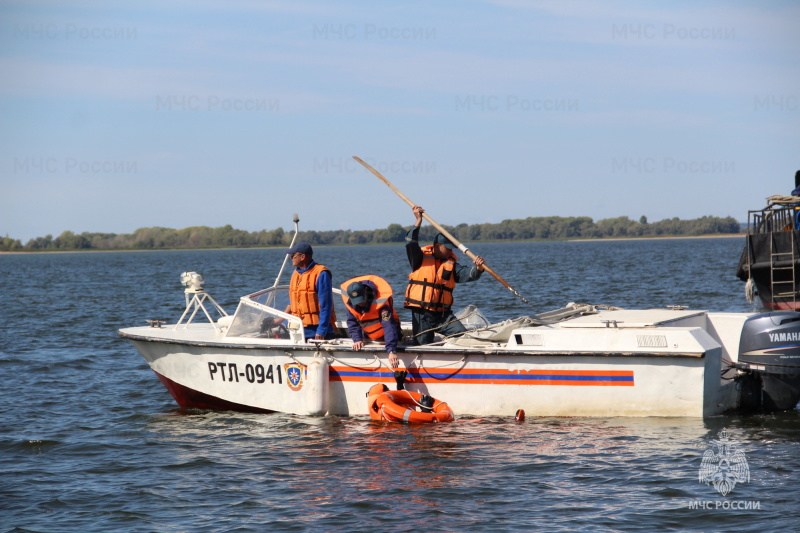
[91, 441]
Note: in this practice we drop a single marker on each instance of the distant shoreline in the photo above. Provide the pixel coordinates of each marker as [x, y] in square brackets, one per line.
[610, 239]
[715, 236]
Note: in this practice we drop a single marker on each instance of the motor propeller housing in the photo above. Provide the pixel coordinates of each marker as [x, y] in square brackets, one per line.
[769, 355]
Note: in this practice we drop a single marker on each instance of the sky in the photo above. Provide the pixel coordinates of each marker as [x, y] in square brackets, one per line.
[123, 115]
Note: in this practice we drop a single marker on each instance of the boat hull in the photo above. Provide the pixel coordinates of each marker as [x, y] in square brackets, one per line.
[305, 380]
[189, 398]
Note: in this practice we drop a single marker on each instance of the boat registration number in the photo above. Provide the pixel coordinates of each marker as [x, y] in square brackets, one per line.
[251, 373]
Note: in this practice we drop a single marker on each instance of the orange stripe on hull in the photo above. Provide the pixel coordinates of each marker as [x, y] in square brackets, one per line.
[585, 378]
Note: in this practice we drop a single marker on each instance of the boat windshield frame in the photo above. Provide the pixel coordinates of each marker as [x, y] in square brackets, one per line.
[254, 309]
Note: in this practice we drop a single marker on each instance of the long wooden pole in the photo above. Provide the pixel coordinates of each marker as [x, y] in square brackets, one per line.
[443, 231]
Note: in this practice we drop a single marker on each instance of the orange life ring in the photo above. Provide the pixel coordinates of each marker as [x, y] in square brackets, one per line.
[399, 406]
[372, 400]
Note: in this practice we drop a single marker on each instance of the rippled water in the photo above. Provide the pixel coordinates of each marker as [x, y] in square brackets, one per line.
[91, 441]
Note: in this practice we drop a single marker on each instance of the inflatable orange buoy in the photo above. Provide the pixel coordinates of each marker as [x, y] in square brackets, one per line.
[520, 416]
[400, 406]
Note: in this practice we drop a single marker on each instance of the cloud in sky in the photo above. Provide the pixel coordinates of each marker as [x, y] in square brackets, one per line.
[179, 114]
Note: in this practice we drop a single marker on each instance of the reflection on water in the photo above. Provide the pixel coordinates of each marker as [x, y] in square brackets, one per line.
[489, 467]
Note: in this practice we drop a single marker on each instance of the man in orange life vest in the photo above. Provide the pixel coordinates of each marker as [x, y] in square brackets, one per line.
[435, 272]
[371, 314]
[311, 293]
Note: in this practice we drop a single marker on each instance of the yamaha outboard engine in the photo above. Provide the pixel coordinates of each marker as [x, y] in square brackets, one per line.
[769, 358]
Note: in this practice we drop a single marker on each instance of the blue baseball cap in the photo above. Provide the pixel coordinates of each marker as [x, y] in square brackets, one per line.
[301, 247]
[358, 293]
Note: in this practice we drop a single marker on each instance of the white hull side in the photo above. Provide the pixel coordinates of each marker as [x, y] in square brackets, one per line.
[475, 384]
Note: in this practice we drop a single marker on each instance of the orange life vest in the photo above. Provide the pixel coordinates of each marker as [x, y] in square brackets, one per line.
[431, 286]
[303, 299]
[370, 321]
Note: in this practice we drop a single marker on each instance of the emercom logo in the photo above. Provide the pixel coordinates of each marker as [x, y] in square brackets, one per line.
[724, 465]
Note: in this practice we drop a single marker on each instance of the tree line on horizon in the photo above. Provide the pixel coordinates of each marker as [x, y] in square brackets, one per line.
[531, 228]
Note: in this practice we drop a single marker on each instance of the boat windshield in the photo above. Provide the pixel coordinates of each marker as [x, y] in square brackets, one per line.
[261, 315]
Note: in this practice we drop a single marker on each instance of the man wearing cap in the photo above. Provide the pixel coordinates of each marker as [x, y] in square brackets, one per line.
[371, 314]
[435, 272]
[311, 293]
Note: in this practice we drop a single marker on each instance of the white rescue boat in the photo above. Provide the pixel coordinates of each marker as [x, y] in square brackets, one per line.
[581, 360]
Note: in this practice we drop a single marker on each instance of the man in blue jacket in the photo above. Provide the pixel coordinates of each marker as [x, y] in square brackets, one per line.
[311, 294]
[371, 314]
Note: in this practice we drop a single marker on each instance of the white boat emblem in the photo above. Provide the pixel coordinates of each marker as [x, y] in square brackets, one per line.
[724, 465]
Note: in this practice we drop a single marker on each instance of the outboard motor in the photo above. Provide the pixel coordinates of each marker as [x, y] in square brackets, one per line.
[769, 358]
